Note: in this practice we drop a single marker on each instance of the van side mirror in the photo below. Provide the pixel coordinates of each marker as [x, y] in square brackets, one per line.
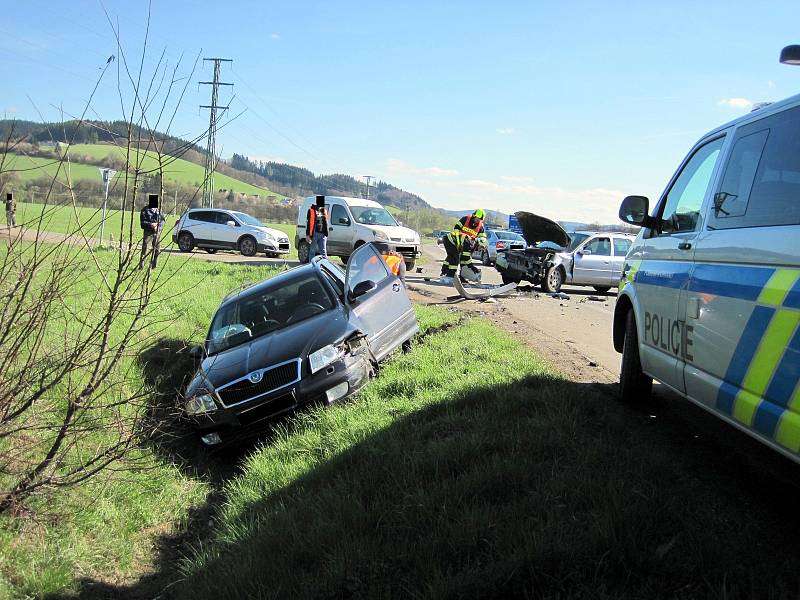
[633, 211]
[344, 221]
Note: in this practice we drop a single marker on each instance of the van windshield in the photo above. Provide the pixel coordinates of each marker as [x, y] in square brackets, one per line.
[371, 215]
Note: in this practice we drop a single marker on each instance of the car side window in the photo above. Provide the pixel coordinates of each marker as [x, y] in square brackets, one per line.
[681, 205]
[339, 215]
[223, 218]
[198, 215]
[621, 246]
[598, 247]
[761, 185]
[365, 266]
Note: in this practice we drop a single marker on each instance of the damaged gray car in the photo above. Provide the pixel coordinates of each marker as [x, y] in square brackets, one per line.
[313, 334]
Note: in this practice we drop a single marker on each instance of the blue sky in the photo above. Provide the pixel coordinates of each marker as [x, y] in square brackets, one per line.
[560, 108]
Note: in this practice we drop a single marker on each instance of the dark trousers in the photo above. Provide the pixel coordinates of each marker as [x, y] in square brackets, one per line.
[459, 252]
[150, 238]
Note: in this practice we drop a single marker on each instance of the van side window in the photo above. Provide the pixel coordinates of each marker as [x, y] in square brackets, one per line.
[761, 185]
[339, 215]
[681, 206]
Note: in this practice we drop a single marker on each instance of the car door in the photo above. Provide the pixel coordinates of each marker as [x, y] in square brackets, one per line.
[592, 262]
[384, 313]
[225, 234]
[743, 301]
[199, 223]
[340, 230]
[620, 246]
[667, 261]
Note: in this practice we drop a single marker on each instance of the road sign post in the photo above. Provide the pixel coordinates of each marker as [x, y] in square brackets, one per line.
[107, 174]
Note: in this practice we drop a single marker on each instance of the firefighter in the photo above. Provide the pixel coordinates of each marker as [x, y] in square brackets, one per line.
[460, 243]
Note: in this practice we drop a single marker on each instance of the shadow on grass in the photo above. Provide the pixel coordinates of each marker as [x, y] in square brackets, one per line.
[539, 488]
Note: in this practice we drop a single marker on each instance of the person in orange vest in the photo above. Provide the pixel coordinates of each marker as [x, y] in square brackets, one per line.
[393, 260]
[468, 232]
[317, 229]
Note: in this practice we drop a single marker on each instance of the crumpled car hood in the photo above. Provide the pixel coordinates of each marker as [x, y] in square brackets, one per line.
[537, 229]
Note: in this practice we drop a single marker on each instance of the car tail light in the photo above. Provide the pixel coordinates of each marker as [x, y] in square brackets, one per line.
[500, 245]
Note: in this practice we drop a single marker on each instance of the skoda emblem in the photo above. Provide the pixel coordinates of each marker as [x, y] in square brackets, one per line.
[255, 377]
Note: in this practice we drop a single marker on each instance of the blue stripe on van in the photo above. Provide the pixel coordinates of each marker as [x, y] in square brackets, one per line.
[664, 273]
[742, 356]
[793, 297]
[744, 283]
[780, 390]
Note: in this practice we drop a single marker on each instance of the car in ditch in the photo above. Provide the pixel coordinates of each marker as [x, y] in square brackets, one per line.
[313, 334]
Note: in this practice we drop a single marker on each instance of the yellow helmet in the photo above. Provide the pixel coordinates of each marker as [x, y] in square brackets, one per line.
[479, 214]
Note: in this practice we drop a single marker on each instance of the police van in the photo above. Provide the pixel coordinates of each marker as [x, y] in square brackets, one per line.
[709, 300]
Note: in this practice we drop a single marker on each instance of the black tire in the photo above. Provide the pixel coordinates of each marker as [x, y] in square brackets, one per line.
[185, 241]
[410, 264]
[553, 280]
[602, 288]
[485, 258]
[248, 246]
[634, 386]
[508, 278]
[211, 250]
[303, 251]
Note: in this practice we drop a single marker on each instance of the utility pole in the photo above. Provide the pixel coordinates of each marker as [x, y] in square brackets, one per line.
[368, 177]
[211, 151]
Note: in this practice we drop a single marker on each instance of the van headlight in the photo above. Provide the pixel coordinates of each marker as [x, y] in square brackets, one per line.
[324, 356]
[379, 235]
[198, 405]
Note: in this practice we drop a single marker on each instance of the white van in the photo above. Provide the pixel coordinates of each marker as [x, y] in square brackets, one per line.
[355, 221]
[709, 300]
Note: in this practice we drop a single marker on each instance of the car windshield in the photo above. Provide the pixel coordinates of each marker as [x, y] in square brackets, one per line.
[372, 215]
[268, 310]
[248, 220]
[509, 235]
[575, 240]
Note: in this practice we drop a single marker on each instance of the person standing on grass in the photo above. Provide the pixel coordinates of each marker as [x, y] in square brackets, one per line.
[317, 229]
[11, 210]
[151, 221]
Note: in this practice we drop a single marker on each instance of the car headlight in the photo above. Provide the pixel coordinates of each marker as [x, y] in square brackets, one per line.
[266, 236]
[379, 235]
[197, 405]
[324, 356]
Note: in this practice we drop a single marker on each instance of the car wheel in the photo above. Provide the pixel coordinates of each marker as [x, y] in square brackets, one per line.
[553, 280]
[303, 251]
[507, 278]
[410, 264]
[485, 258]
[186, 242]
[211, 250]
[634, 385]
[248, 246]
[602, 288]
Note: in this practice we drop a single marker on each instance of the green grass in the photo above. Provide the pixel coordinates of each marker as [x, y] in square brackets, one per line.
[177, 170]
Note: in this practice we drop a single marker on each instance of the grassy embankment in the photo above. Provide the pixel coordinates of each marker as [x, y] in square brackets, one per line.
[177, 171]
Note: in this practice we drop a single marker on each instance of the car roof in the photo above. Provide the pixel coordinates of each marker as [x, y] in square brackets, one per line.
[758, 113]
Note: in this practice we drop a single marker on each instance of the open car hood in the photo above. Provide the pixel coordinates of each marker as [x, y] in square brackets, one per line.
[537, 229]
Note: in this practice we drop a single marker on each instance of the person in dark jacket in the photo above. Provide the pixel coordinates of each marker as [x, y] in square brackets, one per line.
[151, 220]
[317, 229]
[11, 210]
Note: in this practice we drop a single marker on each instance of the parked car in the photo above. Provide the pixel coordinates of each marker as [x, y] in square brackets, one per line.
[355, 221]
[215, 229]
[709, 303]
[498, 240]
[311, 334]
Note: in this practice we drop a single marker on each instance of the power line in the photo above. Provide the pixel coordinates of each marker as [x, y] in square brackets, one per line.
[208, 181]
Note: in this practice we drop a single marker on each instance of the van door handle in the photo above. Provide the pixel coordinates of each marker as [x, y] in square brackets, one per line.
[685, 246]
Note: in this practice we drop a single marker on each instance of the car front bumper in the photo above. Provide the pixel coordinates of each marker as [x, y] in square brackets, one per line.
[277, 247]
[249, 418]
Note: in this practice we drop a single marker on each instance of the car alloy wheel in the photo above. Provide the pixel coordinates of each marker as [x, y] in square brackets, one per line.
[248, 247]
[185, 242]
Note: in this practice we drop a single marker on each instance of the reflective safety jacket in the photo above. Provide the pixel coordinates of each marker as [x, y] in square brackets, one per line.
[470, 226]
[393, 262]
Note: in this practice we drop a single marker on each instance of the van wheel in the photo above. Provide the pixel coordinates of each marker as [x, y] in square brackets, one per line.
[185, 242]
[602, 288]
[303, 250]
[634, 385]
[553, 280]
[248, 246]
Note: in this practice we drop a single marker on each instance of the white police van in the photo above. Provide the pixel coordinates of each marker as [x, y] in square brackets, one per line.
[709, 301]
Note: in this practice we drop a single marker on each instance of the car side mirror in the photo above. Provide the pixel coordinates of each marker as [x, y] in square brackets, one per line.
[231, 223]
[363, 287]
[634, 209]
[197, 352]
